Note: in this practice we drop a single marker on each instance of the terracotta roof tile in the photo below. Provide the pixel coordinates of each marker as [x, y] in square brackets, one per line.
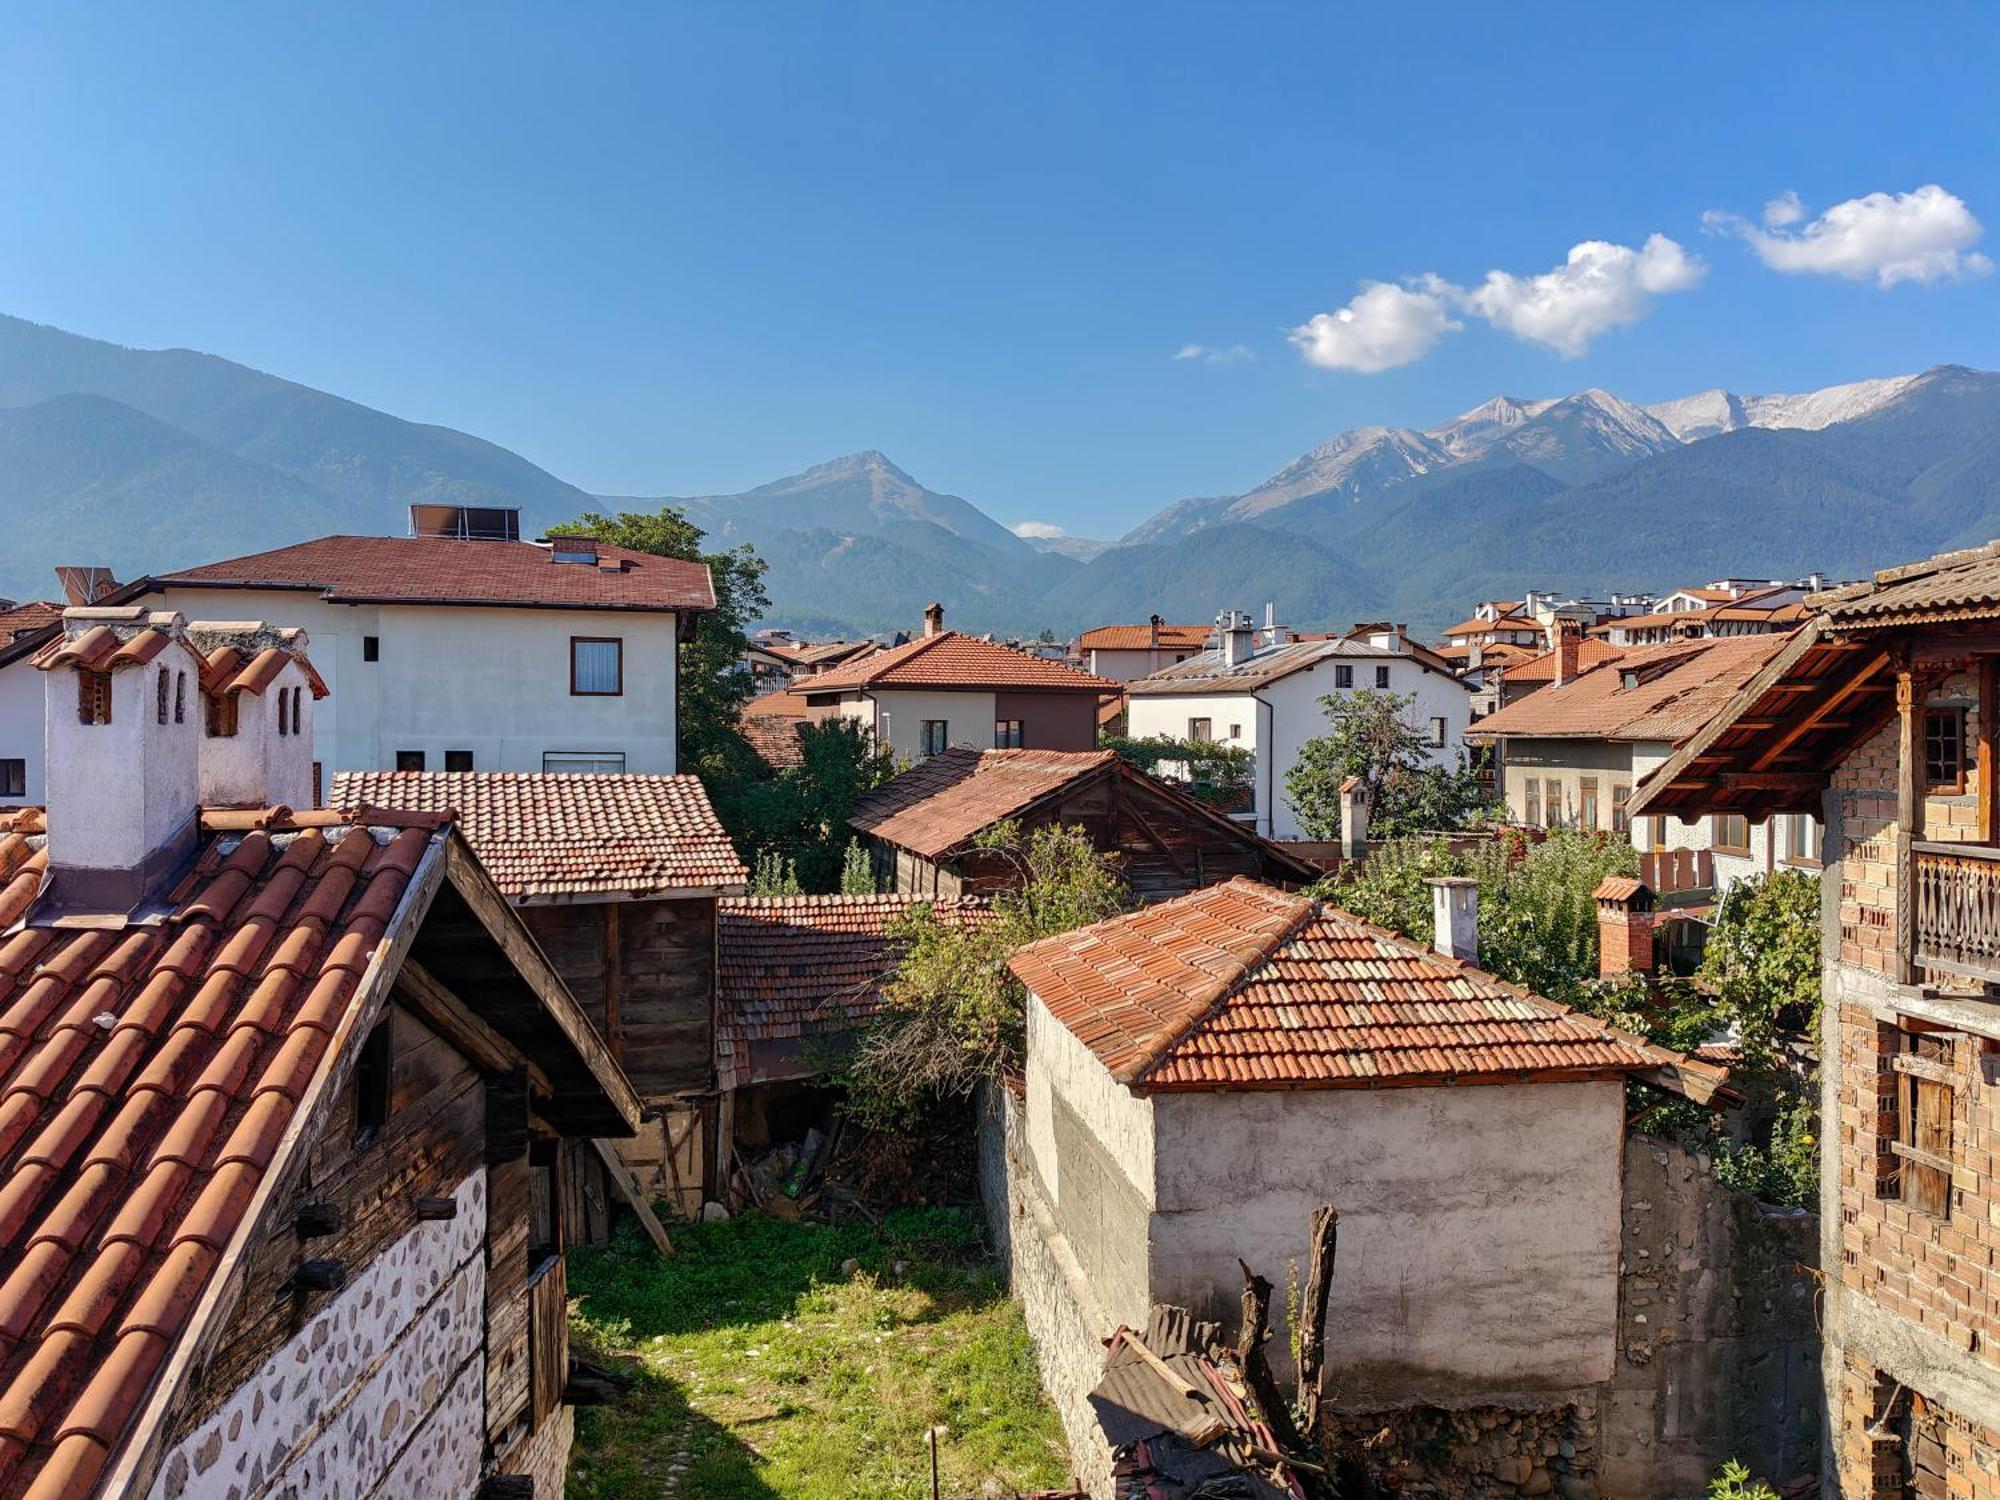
[950, 660]
[938, 804]
[771, 724]
[808, 966]
[1242, 986]
[1141, 638]
[1675, 689]
[442, 570]
[1589, 653]
[129, 1154]
[544, 836]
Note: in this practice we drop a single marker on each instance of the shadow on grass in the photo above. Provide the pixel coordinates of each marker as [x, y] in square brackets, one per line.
[752, 1269]
[652, 1441]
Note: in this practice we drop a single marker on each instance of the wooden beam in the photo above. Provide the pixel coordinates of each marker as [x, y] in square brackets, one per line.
[1989, 670]
[1909, 818]
[433, 999]
[1819, 715]
[614, 971]
[634, 1195]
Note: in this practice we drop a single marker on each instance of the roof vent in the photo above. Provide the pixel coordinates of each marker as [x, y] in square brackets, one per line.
[573, 549]
[467, 523]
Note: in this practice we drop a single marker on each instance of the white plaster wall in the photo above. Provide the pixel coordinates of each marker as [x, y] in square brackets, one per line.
[1123, 666]
[257, 766]
[385, 1380]
[968, 718]
[1479, 1226]
[493, 681]
[1147, 716]
[118, 791]
[1122, 1121]
[21, 715]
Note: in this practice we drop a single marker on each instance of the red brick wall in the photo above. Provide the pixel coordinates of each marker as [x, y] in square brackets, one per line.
[1923, 1449]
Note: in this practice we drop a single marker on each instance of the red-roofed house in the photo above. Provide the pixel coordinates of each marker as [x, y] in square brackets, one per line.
[946, 689]
[1122, 652]
[448, 652]
[282, 1103]
[1204, 1072]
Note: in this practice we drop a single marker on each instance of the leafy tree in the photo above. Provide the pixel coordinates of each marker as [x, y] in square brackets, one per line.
[713, 685]
[1369, 737]
[801, 813]
[857, 876]
[1763, 952]
[1207, 769]
[953, 1015]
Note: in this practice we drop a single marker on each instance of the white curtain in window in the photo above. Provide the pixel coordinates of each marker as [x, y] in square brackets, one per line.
[596, 666]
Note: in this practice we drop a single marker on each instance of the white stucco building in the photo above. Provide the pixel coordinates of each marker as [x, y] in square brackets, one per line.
[1123, 652]
[443, 654]
[1266, 699]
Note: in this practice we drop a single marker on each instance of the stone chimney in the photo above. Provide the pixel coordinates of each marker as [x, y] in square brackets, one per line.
[1569, 647]
[933, 620]
[1624, 926]
[1455, 914]
[257, 714]
[1153, 632]
[1354, 819]
[122, 726]
[1238, 640]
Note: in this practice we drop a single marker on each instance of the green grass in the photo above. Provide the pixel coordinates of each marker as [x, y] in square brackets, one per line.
[767, 1371]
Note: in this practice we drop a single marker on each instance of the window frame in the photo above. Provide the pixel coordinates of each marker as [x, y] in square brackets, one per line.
[1621, 807]
[403, 756]
[1531, 802]
[1586, 803]
[582, 755]
[1382, 675]
[933, 736]
[1953, 714]
[371, 648]
[1716, 841]
[10, 784]
[1914, 1170]
[1343, 674]
[1440, 731]
[616, 641]
[1201, 731]
[452, 755]
[1803, 829]
[1010, 734]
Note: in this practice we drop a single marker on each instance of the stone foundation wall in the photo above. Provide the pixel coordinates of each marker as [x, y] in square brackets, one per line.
[1479, 1453]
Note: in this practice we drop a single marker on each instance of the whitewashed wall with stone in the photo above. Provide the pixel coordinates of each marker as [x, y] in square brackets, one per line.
[381, 1392]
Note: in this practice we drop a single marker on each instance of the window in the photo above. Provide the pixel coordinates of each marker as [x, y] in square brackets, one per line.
[1236, 731]
[458, 760]
[93, 697]
[13, 778]
[1586, 804]
[1438, 734]
[161, 688]
[371, 1085]
[584, 762]
[1621, 809]
[596, 666]
[1381, 677]
[409, 760]
[1343, 676]
[1944, 750]
[371, 648]
[180, 697]
[1802, 839]
[936, 734]
[1919, 1158]
[1531, 812]
[1007, 734]
[1730, 833]
[1201, 729]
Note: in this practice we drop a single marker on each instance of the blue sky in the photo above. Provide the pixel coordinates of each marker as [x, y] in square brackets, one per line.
[688, 249]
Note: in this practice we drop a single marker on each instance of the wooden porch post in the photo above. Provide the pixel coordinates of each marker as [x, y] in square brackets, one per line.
[1909, 818]
[1987, 676]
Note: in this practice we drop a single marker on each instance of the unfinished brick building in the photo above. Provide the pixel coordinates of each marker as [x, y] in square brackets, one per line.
[1879, 714]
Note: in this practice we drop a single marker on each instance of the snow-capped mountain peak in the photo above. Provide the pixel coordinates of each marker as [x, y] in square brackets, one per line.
[1692, 418]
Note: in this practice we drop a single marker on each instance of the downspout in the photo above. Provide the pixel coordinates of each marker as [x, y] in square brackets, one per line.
[1267, 753]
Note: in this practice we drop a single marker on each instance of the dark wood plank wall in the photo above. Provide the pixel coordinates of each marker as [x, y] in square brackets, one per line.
[662, 983]
[432, 1141]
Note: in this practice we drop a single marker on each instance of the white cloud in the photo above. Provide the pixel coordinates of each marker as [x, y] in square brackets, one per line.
[1037, 531]
[1924, 236]
[1234, 354]
[1382, 327]
[1600, 286]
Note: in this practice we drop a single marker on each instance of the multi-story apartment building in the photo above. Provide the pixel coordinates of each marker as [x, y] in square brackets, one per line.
[1879, 715]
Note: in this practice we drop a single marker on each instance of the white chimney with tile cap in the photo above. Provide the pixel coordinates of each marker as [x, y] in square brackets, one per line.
[1455, 913]
[1237, 638]
[122, 739]
[258, 691]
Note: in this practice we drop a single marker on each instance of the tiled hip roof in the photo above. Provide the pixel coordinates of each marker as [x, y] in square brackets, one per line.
[938, 804]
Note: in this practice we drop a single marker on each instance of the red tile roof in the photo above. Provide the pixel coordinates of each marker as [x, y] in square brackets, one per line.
[550, 837]
[949, 660]
[775, 738]
[1543, 668]
[35, 614]
[792, 967]
[1140, 638]
[1242, 986]
[443, 570]
[1676, 688]
[938, 804]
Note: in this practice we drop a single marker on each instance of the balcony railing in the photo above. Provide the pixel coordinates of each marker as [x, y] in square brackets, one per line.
[1958, 908]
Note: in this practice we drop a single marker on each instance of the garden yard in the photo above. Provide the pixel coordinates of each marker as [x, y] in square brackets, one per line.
[808, 1361]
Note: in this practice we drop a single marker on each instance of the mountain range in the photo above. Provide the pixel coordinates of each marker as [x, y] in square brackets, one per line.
[143, 460]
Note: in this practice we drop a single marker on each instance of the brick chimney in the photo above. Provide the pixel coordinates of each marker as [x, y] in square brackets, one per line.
[1569, 644]
[933, 619]
[122, 726]
[1455, 914]
[258, 691]
[1624, 926]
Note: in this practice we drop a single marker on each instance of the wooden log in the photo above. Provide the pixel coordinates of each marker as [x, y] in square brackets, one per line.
[1312, 1313]
[1251, 1336]
[635, 1196]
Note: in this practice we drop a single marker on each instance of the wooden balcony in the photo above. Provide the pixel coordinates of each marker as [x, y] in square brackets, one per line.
[1957, 908]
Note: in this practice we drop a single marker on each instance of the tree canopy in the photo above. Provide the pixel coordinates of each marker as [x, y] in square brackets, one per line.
[1370, 736]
